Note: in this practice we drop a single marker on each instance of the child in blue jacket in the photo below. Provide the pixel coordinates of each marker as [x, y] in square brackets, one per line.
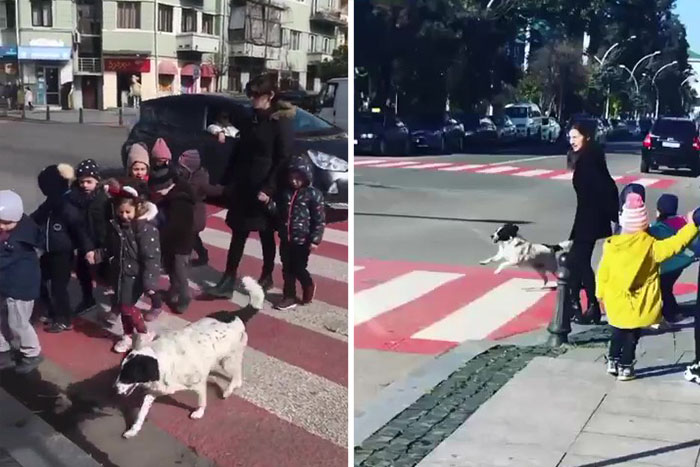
[667, 224]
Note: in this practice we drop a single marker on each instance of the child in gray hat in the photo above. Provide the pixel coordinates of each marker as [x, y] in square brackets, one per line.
[20, 280]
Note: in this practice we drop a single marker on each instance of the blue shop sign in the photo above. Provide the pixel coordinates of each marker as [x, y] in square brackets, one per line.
[8, 51]
[44, 53]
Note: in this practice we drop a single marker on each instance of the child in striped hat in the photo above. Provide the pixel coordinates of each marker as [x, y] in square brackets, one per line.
[628, 280]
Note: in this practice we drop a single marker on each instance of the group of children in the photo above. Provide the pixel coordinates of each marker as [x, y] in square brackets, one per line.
[124, 230]
[638, 270]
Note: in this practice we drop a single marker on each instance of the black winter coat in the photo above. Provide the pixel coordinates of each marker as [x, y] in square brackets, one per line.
[596, 196]
[62, 228]
[20, 275]
[176, 220]
[95, 210]
[266, 143]
[300, 213]
[133, 252]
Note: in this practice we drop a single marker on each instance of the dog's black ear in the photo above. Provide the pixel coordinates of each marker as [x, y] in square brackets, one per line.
[140, 369]
[515, 229]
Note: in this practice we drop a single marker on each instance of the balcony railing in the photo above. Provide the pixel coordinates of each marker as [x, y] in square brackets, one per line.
[89, 65]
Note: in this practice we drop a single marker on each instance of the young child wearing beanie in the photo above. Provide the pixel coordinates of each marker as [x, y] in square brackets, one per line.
[160, 154]
[667, 224]
[628, 280]
[20, 280]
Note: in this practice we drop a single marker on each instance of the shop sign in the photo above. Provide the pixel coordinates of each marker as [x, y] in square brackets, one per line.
[128, 65]
[8, 52]
[44, 53]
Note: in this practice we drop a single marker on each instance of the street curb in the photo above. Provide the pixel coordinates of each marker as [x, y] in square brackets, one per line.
[31, 442]
[399, 395]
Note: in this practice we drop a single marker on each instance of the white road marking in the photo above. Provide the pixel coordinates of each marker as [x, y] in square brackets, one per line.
[533, 173]
[617, 177]
[329, 234]
[359, 268]
[514, 161]
[429, 165]
[564, 176]
[459, 168]
[372, 302]
[318, 265]
[395, 164]
[481, 317]
[645, 181]
[497, 170]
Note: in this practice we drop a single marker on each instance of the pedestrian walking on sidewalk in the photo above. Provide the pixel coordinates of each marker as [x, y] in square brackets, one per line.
[189, 168]
[628, 280]
[251, 179]
[175, 201]
[62, 232]
[29, 98]
[596, 209]
[133, 252]
[20, 281]
[667, 224]
[301, 222]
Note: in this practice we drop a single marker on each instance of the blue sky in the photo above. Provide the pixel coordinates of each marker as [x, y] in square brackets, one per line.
[689, 14]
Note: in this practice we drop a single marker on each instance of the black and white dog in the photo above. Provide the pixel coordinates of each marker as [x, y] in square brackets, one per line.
[514, 250]
[182, 360]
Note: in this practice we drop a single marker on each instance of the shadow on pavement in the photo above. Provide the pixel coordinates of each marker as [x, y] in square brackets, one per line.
[643, 454]
[435, 218]
[661, 370]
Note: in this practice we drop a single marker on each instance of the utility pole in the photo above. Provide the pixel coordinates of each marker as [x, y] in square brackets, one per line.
[155, 42]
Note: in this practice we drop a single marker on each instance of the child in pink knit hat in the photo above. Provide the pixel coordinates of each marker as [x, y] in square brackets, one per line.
[628, 280]
[160, 154]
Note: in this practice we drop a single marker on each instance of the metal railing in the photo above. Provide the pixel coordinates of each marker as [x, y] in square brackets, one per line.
[89, 65]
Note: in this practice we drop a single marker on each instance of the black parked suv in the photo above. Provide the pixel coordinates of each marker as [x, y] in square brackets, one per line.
[673, 143]
[182, 121]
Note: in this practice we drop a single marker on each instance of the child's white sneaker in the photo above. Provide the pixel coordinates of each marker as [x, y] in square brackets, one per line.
[143, 339]
[123, 345]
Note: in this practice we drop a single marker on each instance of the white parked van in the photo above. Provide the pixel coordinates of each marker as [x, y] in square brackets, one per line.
[334, 102]
[527, 118]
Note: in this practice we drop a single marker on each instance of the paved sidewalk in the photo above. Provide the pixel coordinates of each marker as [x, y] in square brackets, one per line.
[521, 405]
[108, 117]
[28, 441]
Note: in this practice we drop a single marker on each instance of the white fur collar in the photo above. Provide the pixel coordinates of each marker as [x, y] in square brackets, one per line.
[150, 213]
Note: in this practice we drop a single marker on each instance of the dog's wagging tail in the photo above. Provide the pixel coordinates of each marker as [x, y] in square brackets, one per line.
[257, 300]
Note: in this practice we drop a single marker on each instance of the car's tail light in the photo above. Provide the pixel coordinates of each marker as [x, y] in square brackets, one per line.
[696, 143]
[647, 141]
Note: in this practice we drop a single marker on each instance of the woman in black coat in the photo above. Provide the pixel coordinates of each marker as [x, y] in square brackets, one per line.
[251, 179]
[596, 209]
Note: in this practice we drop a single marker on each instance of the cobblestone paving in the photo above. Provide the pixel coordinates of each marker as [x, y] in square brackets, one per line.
[414, 433]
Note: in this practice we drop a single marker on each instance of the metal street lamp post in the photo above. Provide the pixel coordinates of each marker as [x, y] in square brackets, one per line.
[653, 81]
[602, 64]
[636, 87]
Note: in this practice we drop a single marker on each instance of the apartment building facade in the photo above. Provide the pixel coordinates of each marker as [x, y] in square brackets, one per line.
[88, 53]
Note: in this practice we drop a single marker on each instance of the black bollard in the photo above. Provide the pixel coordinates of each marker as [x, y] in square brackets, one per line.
[48, 113]
[560, 326]
[80, 115]
[24, 112]
[121, 116]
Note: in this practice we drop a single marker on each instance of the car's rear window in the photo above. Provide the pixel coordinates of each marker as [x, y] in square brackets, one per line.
[675, 128]
[516, 112]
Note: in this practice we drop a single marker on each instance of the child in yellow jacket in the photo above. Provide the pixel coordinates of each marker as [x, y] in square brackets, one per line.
[628, 280]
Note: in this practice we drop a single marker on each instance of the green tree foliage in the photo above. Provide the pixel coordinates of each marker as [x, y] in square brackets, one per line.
[336, 68]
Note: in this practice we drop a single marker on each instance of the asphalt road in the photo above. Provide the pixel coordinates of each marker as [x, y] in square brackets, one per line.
[292, 408]
[439, 218]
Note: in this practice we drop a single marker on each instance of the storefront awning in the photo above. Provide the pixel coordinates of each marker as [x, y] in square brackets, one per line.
[207, 70]
[166, 67]
[44, 53]
[188, 70]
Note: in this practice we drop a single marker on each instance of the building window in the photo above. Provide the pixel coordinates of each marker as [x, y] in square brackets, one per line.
[128, 15]
[9, 16]
[165, 18]
[189, 20]
[208, 24]
[326, 45]
[295, 39]
[41, 13]
[312, 43]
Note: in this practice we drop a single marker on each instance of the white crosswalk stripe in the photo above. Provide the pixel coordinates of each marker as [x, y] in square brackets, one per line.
[646, 181]
[564, 176]
[430, 165]
[396, 164]
[533, 173]
[498, 169]
[486, 314]
[369, 161]
[372, 302]
[459, 168]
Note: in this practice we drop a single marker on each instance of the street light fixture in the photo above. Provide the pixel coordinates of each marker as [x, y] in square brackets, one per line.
[653, 81]
[654, 54]
[636, 87]
[602, 64]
